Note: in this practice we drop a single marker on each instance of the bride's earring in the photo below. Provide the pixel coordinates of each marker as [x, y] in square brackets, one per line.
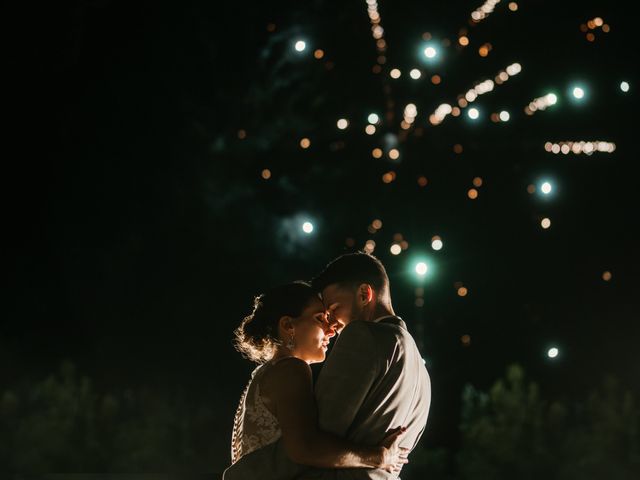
[291, 344]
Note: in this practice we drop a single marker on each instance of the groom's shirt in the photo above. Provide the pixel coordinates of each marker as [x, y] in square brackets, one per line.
[373, 380]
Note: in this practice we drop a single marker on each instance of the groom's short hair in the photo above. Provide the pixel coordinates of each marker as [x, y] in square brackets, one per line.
[353, 269]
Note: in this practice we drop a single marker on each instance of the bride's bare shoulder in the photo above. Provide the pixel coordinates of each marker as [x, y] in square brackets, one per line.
[286, 373]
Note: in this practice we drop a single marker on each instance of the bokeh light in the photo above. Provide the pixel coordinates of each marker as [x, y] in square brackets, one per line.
[370, 246]
[430, 52]
[389, 177]
[541, 103]
[421, 268]
[581, 147]
[484, 50]
[578, 93]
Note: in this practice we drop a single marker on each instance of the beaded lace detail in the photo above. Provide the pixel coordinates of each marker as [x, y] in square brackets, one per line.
[254, 425]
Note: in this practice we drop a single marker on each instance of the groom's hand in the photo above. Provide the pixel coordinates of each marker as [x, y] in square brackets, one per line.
[394, 455]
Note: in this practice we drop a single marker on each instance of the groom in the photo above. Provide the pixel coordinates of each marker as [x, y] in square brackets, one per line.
[374, 379]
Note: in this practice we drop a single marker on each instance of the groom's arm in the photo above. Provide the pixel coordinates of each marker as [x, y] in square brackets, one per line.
[346, 378]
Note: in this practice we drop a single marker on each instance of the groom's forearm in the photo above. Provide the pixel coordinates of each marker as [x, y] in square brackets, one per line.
[324, 450]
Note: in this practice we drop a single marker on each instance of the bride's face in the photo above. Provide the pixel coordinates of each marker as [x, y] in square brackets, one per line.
[312, 333]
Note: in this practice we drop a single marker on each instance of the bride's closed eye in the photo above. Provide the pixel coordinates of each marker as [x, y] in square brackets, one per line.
[320, 317]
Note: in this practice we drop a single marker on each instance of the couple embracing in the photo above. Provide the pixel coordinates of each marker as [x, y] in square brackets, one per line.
[370, 403]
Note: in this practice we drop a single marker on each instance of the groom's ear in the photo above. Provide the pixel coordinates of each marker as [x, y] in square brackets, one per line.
[365, 293]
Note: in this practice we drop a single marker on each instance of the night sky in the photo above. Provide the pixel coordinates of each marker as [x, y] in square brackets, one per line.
[140, 224]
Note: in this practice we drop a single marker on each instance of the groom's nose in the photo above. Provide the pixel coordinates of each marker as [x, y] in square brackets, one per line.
[330, 326]
[330, 331]
[334, 325]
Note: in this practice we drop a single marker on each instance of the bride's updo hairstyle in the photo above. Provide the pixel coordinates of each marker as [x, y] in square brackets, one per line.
[257, 336]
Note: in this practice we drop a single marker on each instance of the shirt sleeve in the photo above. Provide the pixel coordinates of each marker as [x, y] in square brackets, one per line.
[346, 378]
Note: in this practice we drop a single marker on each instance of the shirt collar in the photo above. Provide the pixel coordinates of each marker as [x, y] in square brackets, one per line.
[391, 319]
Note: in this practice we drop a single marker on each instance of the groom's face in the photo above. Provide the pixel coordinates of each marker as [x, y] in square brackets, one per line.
[340, 303]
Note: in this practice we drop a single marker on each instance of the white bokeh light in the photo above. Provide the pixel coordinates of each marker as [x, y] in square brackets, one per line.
[553, 352]
[546, 188]
[430, 52]
[307, 227]
[300, 45]
[421, 268]
[473, 113]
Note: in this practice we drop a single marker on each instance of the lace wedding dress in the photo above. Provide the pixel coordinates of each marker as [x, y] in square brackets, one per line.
[254, 425]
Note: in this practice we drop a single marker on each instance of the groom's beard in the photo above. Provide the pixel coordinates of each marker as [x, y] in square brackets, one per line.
[357, 312]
